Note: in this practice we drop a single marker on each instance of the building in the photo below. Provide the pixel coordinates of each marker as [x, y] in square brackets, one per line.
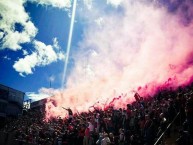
[11, 101]
[38, 104]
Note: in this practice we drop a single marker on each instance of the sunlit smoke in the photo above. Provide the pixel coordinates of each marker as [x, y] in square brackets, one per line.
[143, 48]
[69, 42]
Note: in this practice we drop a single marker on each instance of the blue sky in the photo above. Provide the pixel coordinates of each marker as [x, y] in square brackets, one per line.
[29, 29]
[113, 40]
[51, 23]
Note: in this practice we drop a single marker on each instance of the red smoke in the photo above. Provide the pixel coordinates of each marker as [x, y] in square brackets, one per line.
[145, 48]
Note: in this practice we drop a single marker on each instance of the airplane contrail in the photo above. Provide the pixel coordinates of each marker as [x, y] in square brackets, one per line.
[69, 43]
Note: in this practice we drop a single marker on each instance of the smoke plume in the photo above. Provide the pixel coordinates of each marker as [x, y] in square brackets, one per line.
[142, 47]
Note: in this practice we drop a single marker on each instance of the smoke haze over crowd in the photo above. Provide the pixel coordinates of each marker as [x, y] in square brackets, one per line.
[141, 46]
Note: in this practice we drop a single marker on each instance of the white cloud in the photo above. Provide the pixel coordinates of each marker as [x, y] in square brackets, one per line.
[55, 43]
[88, 4]
[61, 56]
[54, 3]
[114, 2]
[1, 35]
[42, 56]
[25, 52]
[51, 78]
[25, 65]
[46, 54]
[12, 13]
[6, 58]
[99, 21]
[36, 96]
[42, 93]
[16, 28]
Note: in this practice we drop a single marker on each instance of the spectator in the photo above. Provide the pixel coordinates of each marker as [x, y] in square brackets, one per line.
[121, 137]
[101, 136]
[86, 136]
[138, 124]
[112, 139]
[105, 140]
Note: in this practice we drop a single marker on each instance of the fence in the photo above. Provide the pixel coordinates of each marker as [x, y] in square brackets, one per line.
[161, 139]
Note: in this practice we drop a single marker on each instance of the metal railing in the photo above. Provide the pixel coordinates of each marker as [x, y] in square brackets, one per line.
[167, 128]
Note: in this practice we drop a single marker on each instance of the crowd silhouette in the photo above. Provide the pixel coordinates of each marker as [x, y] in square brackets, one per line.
[138, 123]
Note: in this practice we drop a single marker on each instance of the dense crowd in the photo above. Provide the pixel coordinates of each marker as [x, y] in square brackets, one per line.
[139, 123]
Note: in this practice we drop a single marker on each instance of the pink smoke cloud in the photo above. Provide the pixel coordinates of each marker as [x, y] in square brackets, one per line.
[142, 49]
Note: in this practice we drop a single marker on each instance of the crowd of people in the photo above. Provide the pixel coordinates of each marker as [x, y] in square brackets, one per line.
[139, 123]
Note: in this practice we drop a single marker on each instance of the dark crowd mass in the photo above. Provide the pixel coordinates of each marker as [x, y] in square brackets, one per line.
[139, 123]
